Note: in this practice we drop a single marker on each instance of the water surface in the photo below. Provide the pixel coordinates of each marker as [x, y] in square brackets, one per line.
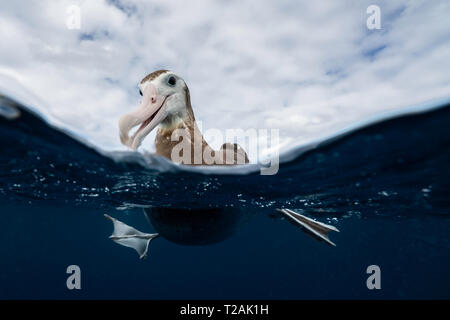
[386, 186]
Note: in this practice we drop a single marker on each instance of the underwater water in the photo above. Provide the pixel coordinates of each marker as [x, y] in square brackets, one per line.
[385, 186]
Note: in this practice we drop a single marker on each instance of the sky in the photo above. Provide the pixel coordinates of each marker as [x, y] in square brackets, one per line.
[307, 68]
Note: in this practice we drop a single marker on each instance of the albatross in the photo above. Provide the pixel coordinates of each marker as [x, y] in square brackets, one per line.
[166, 105]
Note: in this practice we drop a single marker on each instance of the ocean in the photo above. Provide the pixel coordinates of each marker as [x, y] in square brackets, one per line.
[385, 184]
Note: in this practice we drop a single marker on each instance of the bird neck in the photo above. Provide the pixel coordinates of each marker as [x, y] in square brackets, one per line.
[181, 134]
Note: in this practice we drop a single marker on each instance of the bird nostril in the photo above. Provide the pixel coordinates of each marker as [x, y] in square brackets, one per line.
[153, 99]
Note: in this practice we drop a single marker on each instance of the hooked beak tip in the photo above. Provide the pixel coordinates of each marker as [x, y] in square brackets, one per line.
[149, 114]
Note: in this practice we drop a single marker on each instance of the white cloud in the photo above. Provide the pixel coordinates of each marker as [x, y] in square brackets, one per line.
[307, 68]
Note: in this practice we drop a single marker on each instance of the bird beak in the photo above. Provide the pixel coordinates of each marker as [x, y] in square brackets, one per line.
[150, 113]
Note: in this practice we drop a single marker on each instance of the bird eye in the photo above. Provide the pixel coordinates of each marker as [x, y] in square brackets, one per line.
[140, 92]
[171, 81]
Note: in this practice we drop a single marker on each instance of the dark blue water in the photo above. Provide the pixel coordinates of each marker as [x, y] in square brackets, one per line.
[385, 186]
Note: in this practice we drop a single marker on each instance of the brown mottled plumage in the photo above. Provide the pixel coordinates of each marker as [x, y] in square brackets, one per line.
[153, 75]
